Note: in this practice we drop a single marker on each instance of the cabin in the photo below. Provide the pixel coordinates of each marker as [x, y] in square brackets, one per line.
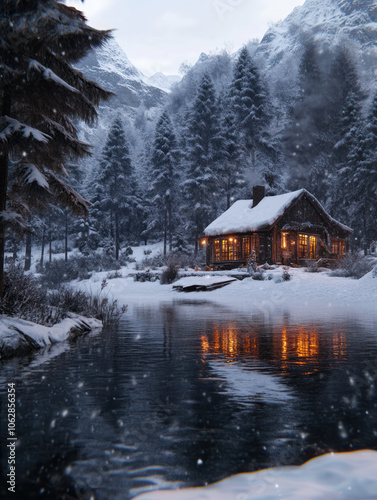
[291, 229]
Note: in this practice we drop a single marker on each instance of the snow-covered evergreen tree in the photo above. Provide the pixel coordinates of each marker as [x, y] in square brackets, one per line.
[115, 201]
[361, 177]
[349, 156]
[202, 187]
[305, 134]
[163, 181]
[250, 106]
[232, 168]
[345, 96]
[40, 96]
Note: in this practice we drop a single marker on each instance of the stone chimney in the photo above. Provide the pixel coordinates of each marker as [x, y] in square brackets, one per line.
[258, 195]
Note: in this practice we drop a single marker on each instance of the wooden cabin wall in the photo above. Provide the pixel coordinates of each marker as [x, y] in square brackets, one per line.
[303, 211]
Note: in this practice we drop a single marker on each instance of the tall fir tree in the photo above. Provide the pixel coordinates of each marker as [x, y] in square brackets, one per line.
[164, 181]
[250, 105]
[362, 177]
[349, 156]
[202, 186]
[343, 79]
[232, 168]
[345, 95]
[304, 140]
[115, 201]
[40, 96]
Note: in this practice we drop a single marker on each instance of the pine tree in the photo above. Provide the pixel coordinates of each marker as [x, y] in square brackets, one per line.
[202, 187]
[40, 96]
[115, 188]
[363, 181]
[343, 80]
[250, 105]
[164, 178]
[232, 169]
[304, 135]
[349, 155]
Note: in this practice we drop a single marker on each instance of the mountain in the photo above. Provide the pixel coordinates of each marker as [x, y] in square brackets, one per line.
[137, 97]
[110, 67]
[161, 81]
[330, 23]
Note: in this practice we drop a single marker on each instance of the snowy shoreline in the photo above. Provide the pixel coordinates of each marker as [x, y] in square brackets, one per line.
[335, 475]
[19, 337]
[305, 295]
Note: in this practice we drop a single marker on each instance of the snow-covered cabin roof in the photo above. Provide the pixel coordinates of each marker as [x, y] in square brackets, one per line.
[242, 217]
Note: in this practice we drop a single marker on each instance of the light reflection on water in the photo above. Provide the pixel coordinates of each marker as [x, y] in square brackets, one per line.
[185, 394]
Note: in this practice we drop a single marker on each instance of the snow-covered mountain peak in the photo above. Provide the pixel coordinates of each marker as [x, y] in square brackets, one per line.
[328, 19]
[330, 23]
[162, 81]
[112, 58]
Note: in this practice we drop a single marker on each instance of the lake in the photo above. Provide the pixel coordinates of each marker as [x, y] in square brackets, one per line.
[187, 393]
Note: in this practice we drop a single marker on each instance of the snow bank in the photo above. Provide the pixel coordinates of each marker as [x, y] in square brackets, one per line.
[18, 336]
[334, 476]
[306, 295]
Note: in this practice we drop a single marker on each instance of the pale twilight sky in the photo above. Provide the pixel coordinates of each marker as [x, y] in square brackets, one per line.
[158, 35]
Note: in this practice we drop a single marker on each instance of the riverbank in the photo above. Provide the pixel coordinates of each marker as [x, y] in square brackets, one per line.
[335, 475]
[304, 294]
[20, 337]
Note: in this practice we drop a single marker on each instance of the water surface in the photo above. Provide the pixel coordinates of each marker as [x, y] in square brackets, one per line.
[185, 394]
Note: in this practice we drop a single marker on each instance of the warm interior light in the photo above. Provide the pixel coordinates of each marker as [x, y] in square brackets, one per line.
[203, 242]
[230, 239]
[284, 240]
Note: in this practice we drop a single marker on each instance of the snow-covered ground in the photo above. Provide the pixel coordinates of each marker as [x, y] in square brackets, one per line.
[334, 476]
[304, 295]
[17, 335]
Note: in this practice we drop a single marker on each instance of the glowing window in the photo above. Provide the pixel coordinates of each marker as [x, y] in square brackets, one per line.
[217, 251]
[284, 240]
[246, 247]
[231, 249]
[335, 246]
[302, 246]
[224, 250]
[312, 246]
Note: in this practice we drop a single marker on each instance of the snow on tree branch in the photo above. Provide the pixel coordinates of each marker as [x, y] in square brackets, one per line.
[12, 126]
[33, 174]
[67, 195]
[48, 74]
[13, 219]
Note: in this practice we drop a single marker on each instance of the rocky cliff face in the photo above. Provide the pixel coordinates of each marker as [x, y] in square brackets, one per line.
[110, 67]
[330, 23]
[137, 97]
